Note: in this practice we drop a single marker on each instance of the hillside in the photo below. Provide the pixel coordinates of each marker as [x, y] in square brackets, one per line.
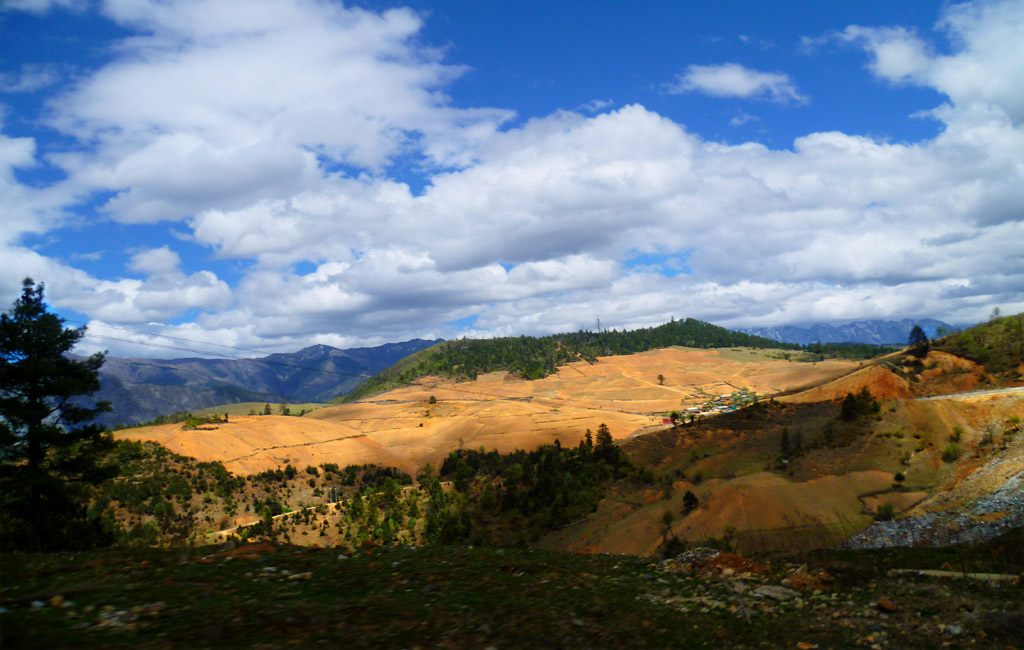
[815, 466]
[141, 389]
[811, 466]
[531, 357]
[874, 332]
[497, 410]
[998, 345]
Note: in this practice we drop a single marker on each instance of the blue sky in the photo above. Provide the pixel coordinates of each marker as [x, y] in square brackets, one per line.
[350, 174]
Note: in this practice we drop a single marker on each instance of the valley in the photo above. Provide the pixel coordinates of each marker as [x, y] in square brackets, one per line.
[793, 469]
[780, 458]
[402, 428]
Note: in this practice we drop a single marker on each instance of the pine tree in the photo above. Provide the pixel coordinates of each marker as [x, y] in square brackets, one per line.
[784, 448]
[690, 501]
[49, 454]
[918, 342]
[605, 446]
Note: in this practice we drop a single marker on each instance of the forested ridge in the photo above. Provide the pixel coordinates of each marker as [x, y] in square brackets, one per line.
[537, 357]
[997, 344]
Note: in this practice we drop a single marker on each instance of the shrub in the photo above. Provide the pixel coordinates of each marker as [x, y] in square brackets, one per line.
[884, 512]
[690, 501]
[950, 453]
[958, 431]
[672, 547]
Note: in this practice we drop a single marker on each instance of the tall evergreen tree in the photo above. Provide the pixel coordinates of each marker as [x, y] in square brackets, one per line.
[49, 454]
[918, 342]
[784, 447]
[605, 448]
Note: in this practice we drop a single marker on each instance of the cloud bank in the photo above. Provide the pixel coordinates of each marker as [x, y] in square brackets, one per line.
[271, 138]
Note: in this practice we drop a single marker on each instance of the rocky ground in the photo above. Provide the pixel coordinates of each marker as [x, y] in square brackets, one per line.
[986, 503]
[265, 596]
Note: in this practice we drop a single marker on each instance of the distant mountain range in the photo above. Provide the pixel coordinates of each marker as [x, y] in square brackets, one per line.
[877, 332]
[141, 389]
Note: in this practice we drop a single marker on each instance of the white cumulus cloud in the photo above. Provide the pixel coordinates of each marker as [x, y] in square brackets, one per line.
[268, 136]
[735, 80]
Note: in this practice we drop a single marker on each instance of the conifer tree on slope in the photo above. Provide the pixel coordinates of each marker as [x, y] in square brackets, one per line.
[49, 454]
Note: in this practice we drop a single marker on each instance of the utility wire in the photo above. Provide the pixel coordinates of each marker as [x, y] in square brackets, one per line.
[530, 398]
[166, 336]
[550, 401]
[263, 360]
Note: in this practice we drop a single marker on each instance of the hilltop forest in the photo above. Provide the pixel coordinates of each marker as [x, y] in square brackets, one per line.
[537, 357]
[998, 345]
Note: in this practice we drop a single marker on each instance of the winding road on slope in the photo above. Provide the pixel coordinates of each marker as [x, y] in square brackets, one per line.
[970, 394]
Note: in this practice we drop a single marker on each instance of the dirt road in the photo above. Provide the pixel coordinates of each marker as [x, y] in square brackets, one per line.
[971, 394]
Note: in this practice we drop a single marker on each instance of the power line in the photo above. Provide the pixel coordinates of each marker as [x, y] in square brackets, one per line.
[549, 401]
[166, 336]
[263, 360]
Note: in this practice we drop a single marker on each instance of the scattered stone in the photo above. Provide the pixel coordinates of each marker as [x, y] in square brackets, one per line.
[887, 605]
[56, 601]
[775, 592]
[301, 576]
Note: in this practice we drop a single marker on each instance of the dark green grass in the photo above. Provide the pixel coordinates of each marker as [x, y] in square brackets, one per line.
[471, 597]
[385, 598]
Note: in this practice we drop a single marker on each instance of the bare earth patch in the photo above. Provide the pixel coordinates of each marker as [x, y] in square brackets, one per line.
[402, 429]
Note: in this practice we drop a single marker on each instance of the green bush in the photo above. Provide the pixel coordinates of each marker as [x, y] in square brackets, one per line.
[950, 453]
[884, 512]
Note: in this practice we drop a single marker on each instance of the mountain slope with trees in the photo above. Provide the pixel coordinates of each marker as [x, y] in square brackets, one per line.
[142, 389]
[537, 357]
[874, 332]
[998, 345]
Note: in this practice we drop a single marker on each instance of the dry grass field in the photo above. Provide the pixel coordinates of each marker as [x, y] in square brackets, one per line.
[728, 461]
[403, 429]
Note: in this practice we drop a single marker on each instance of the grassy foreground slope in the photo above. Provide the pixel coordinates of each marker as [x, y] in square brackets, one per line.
[537, 357]
[267, 596]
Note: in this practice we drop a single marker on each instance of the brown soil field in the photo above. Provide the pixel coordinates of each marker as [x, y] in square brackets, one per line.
[496, 411]
[947, 373]
[250, 444]
[631, 523]
[901, 501]
[991, 449]
[829, 490]
[943, 373]
[883, 384]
